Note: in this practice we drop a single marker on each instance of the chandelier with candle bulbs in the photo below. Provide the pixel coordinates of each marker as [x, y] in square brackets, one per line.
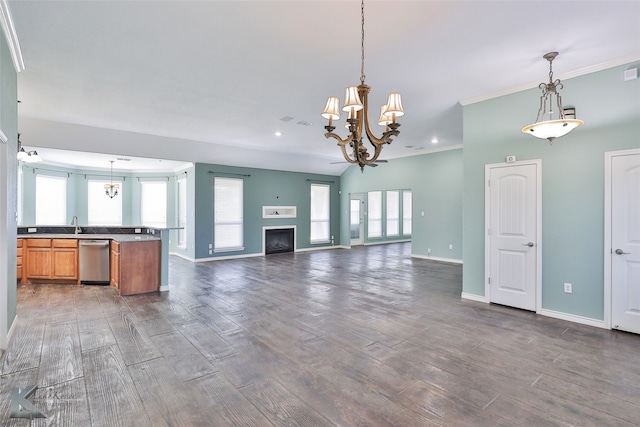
[357, 107]
[111, 189]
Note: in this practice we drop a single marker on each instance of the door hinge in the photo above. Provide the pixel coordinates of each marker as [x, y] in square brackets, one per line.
[489, 183]
[488, 232]
[489, 280]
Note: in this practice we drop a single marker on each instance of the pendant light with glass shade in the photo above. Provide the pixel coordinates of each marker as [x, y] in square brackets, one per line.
[546, 127]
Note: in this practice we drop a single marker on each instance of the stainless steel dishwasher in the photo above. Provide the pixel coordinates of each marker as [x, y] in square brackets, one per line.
[94, 262]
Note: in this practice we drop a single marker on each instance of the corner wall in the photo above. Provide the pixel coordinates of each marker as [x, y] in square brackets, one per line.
[572, 182]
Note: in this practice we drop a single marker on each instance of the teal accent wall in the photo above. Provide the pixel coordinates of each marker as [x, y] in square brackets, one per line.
[261, 188]
[435, 180]
[572, 181]
[8, 180]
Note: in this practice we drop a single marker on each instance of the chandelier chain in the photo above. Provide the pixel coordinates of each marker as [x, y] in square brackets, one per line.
[362, 76]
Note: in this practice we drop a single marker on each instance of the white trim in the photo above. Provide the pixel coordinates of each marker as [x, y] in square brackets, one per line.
[320, 248]
[432, 258]
[3, 137]
[6, 21]
[279, 227]
[487, 224]
[385, 242]
[427, 151]
[577, 73]
[223, 258]
[183, 256]
[472, 297]
[572, 318]
[608, 158]
[164, 288]
[279, 211]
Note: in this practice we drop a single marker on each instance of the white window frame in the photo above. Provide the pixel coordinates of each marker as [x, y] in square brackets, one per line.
[51, 206]
[393, 213]
[374, 214]
[228, 213]
[320, 213]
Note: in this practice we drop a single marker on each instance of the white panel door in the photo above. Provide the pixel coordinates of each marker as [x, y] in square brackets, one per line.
[513, 235]
[356, 219]
[625, 242]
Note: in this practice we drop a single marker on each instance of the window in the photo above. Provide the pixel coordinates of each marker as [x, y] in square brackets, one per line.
[406, 213]
[228, 214]
[153, 203]
[374, 214]
[393, 213]
[51, 200]
[320, 196]
[182, 212]
[103, 210]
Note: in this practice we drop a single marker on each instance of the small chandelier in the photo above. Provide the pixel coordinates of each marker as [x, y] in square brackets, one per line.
[357, 107]
[27, 156]
[551, 129]
[111, 190]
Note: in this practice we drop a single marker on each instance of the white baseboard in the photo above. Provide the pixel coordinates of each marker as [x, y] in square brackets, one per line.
[473, 297]
[222, 258]
[183, 256]
[432, 258]
[386, 242]
[164, 288]
[10, 333]
[321, 248]
[573, 318]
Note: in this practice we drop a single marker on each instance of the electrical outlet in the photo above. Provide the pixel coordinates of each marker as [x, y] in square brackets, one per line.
[210, 246]
[428, 250]
[568, 288]
[450, 246]
[210, 252]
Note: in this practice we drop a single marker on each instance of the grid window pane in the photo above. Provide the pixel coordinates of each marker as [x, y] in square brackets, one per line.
[103, 210]
[374, 214]
[320, 197]
[51, 200]
[393, 213]
[153, 207]
[228, 214]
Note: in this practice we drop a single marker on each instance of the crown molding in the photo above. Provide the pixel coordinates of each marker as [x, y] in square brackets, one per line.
[12, 37]
[569, 75]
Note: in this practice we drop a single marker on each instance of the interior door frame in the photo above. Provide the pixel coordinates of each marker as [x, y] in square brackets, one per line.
[487, 226]
[360, 197]
[608, 176]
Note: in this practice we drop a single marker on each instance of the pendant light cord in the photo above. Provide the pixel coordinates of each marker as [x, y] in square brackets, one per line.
[362, 76]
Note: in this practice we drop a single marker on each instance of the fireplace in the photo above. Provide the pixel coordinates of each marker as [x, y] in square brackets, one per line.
[279, 240]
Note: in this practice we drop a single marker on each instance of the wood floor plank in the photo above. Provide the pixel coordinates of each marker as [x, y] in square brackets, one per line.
[209, 343]
[134, 344]
[281, 407]
[188, 363]
[113, 398]
[24, 353]
[60, 359]
[95, 332]
[64, 404]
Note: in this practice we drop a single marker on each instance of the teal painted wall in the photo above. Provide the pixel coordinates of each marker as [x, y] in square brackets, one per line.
[8, 179]
[262, 188]
[572, 181]
[435, 180]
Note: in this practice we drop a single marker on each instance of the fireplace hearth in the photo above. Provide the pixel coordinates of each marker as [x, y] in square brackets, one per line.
[278, 240]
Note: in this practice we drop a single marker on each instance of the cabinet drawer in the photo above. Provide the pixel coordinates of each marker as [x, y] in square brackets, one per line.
[19, 243]
[39, 243]
[65, 243]
[19, 272]
[115, 246]
[19, 252]
[19, 260]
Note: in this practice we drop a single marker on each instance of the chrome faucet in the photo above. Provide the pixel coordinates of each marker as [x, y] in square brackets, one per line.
[74, 221]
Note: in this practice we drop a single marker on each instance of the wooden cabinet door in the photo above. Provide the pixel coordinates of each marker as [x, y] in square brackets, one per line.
[38, 263]
[65, 263]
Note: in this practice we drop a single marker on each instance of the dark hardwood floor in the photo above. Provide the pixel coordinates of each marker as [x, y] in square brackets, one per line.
[361, 337]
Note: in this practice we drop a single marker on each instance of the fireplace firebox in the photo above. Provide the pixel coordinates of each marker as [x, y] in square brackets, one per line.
[278, 240]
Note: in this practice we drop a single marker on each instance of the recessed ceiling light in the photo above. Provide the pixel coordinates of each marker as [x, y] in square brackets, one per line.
[434, 140]
[278, 133]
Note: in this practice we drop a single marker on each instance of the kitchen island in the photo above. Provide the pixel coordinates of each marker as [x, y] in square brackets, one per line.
[51, 254]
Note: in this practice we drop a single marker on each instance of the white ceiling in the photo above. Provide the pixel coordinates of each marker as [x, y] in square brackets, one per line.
[211, 81]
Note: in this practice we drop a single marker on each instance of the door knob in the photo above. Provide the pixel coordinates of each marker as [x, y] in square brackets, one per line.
[530, 244]
[621, 252]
